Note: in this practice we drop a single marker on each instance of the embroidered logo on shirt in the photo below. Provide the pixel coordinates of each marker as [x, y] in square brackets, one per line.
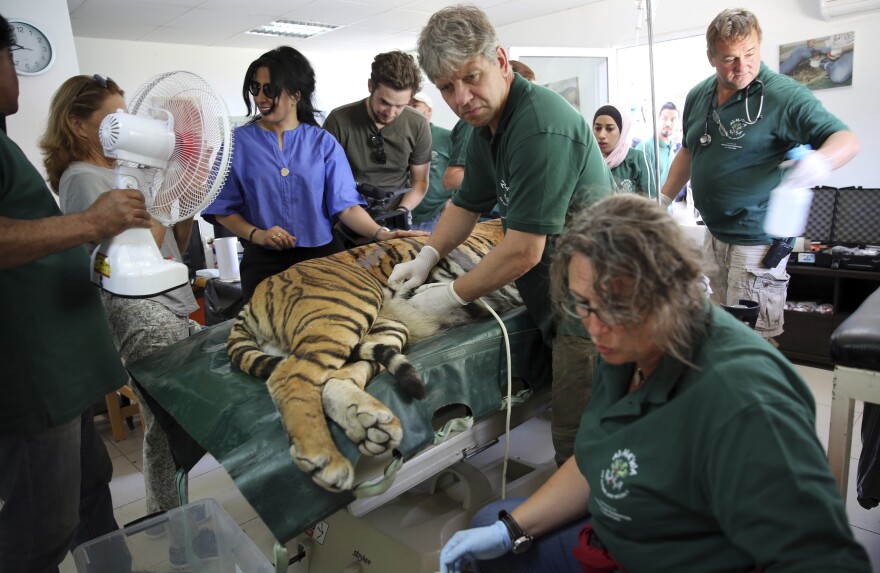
[737, 128]
[626, 186]
[623, 465]
[505, 194]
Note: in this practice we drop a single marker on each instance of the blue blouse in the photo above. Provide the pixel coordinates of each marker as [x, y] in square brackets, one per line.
[318, 185]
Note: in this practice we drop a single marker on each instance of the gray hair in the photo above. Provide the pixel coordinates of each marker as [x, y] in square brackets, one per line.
[731, 25]
[454, 36]
[645, 267]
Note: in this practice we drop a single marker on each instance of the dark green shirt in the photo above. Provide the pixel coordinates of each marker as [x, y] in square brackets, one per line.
[58, 354]
[633, 176]
[436, 197]
[461, 137]
[715, 468]
[732, 177]
[667, 153]
[540, 165]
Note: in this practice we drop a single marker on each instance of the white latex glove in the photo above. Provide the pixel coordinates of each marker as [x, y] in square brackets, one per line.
[415, 272]
[480, 543]
[436, 299]
[665, 201]
[809, 171]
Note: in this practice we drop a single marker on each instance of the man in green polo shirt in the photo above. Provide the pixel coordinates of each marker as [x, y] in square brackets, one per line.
[667, 120]
[534, 155]
[427, 212]
[738, 126]
[58, 358]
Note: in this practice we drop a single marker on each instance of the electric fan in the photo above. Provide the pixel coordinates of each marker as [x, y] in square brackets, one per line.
[175, 145]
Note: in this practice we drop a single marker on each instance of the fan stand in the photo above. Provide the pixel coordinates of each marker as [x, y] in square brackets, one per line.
[130, 265]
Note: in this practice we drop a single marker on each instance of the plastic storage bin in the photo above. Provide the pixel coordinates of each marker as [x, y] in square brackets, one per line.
[198, 537]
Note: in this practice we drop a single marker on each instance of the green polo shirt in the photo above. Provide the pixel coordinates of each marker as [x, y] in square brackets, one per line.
[667, 153]
[541, 164]
[436, 198]
[633, 175]
[714, 468]
[59, 356]
[732, 177]
[461, 137]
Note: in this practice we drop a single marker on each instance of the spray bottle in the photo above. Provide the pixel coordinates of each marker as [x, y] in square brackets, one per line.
[789, 203]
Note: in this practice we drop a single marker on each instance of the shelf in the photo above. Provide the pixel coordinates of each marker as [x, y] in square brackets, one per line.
[810, 270]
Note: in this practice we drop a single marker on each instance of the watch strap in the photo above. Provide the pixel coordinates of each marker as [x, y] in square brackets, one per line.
[521, 541]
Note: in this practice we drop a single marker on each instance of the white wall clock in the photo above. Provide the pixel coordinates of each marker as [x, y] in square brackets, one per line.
[36, 54]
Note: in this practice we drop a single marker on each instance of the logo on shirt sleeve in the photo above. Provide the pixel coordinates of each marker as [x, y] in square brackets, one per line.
[623, 466]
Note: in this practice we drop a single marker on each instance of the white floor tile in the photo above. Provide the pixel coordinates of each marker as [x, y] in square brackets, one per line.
[218, 485]
[819, 380]
[127, 484]
[871, 542]
[867, 519]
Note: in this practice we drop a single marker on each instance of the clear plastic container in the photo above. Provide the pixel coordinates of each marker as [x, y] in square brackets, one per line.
[789, 204]
[198, 537]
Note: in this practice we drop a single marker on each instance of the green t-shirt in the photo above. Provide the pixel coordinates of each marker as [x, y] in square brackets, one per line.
[461, 137]
[407, 142]
[714, 468]
[59, 356]
[667, 154]
[732, 177]
[437, 196]
[540, 165]
[633, 176]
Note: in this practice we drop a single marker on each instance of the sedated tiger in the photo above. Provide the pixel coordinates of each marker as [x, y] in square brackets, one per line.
[319, 331]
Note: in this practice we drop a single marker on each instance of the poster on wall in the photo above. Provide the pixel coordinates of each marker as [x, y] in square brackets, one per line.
[569, 89]
[820, 63]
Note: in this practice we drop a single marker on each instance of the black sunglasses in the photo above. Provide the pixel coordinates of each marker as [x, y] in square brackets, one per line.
[378, 142]
[270, 90]
[100, 80]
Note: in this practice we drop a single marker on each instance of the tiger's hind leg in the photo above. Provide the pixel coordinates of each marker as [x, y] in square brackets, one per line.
[366, 421]
[299, 402]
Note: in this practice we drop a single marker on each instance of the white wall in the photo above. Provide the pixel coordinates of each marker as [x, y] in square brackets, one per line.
[26, 126]
[611, 24]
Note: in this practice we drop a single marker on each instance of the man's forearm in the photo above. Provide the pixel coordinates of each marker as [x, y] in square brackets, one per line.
[513, 257]
[679, 173]
[412, 199]
[23, 241]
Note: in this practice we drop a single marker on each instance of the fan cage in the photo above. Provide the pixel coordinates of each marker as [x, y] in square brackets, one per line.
[203, 144]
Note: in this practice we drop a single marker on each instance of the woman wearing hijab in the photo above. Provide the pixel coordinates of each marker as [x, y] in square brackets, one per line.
[628, 166]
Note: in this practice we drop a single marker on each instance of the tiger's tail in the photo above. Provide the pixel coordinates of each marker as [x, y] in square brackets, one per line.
[384, 344]
[244, 349]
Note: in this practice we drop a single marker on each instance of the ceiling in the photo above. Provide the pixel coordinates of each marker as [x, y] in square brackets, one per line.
[377, 24]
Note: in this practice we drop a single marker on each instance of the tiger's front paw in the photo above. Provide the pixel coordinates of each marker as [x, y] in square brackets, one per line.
[330, 470]
[366, 421]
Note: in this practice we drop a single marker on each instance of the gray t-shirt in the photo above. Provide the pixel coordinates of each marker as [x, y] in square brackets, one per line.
[81, 184]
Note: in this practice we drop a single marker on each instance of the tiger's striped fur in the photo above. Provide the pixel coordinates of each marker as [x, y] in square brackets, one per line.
[318, 330]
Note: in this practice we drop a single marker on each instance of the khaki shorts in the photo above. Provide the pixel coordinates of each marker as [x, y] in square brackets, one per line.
[738, 274]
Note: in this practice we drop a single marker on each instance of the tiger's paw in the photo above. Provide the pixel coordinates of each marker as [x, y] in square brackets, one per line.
[330, 470]
[366, 421]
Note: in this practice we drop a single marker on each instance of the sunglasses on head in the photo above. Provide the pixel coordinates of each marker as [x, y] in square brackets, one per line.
[100, 80]
[378, 142]
[269, 90]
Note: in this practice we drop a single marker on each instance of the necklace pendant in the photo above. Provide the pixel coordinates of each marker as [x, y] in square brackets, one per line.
[285, 172]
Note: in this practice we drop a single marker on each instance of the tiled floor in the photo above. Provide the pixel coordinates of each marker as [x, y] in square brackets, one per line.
[209, 480]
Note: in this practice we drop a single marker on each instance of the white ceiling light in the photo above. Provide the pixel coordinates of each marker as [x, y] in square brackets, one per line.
[292, 29]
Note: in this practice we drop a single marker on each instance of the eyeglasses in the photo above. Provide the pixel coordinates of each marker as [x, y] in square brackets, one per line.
[100, 80]
[270, 90]
[706, 139]
[378, 142]
[582, 311]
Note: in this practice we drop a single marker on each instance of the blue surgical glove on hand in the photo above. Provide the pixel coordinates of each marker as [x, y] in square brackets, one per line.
[476, 544]
[810, 171]
[414, 273]
[437, 299]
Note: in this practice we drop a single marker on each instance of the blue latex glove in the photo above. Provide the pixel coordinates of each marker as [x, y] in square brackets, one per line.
[474, 544]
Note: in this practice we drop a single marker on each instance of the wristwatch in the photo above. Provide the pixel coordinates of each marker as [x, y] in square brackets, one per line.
[521, 541]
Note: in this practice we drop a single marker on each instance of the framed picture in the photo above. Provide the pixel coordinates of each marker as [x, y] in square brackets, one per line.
[584, 77]
[820, 63]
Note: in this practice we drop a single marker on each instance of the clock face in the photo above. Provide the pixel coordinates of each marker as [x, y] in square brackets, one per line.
[36, 53]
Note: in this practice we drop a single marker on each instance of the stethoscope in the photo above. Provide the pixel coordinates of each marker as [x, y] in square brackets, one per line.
[706, 139]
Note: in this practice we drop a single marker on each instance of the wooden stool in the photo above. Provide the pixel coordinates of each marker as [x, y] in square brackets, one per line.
[118, 414]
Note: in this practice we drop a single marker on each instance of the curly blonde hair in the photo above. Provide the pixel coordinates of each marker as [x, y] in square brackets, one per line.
[644, 265]
[79, 96]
